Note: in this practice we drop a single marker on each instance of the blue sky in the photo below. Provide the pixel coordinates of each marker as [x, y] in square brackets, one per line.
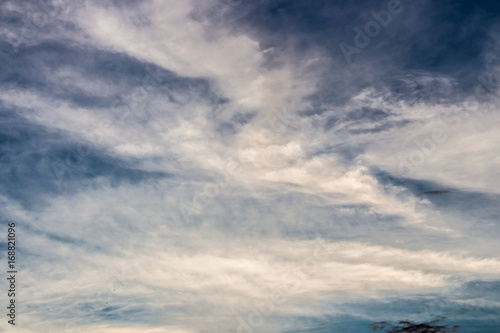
[198, 166]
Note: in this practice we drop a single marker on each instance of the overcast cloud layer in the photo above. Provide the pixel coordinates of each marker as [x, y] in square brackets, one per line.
[190, 166]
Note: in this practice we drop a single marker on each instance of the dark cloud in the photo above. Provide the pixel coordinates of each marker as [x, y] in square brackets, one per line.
[407, 326]
[37, 161]
[425, 40]
[54, 69]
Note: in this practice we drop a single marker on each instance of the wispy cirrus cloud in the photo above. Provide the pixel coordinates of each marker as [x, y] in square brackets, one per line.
[192, 166]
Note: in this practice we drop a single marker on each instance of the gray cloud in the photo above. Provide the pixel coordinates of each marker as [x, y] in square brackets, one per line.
[200, 166]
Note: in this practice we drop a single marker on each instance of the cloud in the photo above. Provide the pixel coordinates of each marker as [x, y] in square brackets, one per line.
[184, 166]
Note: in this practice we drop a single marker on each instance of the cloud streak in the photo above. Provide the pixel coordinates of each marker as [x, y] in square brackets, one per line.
[206, 166]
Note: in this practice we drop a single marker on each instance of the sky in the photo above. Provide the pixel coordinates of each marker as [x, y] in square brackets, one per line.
[199, 166]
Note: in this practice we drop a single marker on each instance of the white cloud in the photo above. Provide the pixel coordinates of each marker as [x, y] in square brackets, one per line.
[125, 241]
[133, 237]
